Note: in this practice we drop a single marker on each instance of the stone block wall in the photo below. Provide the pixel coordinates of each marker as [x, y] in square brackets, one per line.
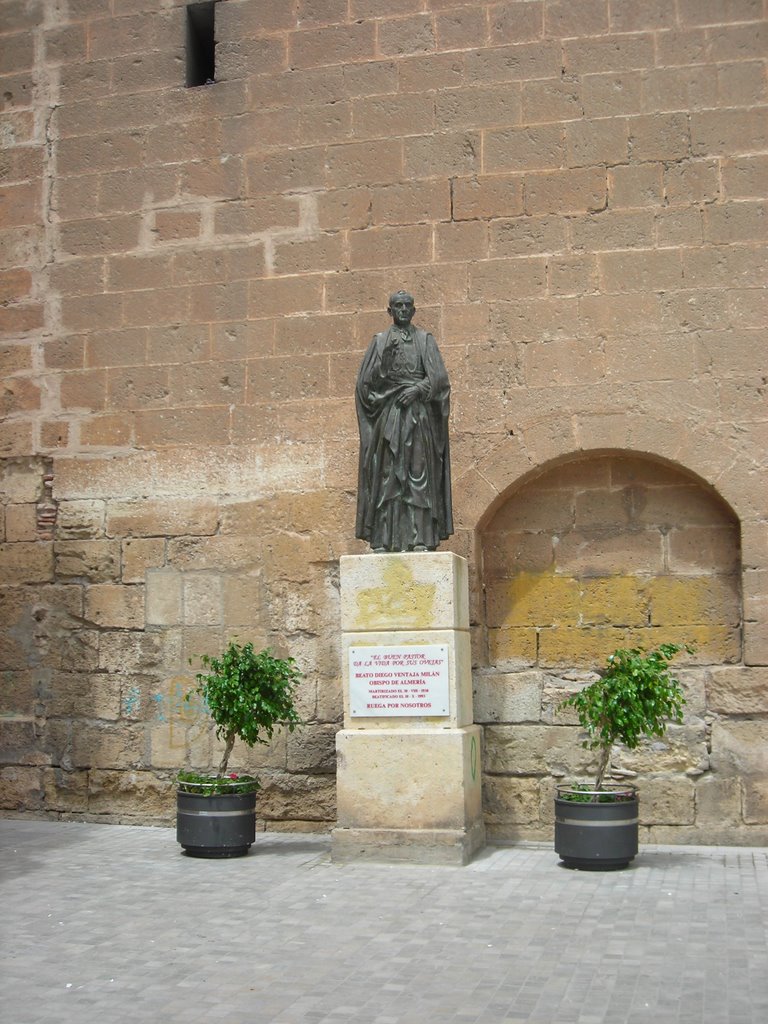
[575, 194]
[605, 552]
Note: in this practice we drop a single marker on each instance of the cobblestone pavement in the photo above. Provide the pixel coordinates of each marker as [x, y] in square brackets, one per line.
[106, 924]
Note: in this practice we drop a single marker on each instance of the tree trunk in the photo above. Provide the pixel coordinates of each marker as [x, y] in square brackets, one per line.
[602, 767]
[227, 751]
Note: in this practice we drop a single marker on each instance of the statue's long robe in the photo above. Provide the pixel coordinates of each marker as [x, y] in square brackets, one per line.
[404, 474]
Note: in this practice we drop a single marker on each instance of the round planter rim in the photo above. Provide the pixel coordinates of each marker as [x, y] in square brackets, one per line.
[611, 789]
[234, 787]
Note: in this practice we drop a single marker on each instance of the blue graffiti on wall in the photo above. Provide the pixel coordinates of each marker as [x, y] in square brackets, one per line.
[132, 701]
[182, 710]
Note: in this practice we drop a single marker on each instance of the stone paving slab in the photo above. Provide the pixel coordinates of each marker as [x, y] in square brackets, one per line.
[109, 924]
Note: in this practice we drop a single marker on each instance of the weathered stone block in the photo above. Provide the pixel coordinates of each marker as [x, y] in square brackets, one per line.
[199, 640]
[261, 757]
[739, 757]
[330, 700]
[138, 652]
[56, 742]
[108, 745]
[755, 643]
[21, 480]
[425, 779]
[163, 592]
[243, 597]
[92, 478]
[65, 791]
[577, 190]
[510, 801]
[533, 600]
[14, 651]
[686, 600]
[297, 798]
[202, 599]
[138, 555]
[601, 555]
[21, 788]
[294, 557]
[138, 792]
[756, 801]
[693, 682]
[737, 690]
[74, 651]
[312, 749]
[535, 750]
[18, 692]
[189, 517]
[513, 648]
[693, 547]
[667, 801]
[19, 743]
[556, 689]
[81, 695]
[682, 748]
[222, 554]
[718, 800]
[80, 520]
[21, 523]
[614, 600]
[508, 697]
[297, 608]
[120, 607]
[94, 560]
[577, 647]
[179, 740]
[423, 591]
[30, 562]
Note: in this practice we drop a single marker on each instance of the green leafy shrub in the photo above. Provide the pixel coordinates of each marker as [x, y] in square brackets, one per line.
[581, 793]
[634, 698]
[214, 785]
[248, 696]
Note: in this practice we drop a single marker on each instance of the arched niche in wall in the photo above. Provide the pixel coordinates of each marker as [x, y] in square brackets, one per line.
[605, 550]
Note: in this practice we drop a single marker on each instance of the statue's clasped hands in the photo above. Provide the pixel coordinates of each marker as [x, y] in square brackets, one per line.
[408, 395]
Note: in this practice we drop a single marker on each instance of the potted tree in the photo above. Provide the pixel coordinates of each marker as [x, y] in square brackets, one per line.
[596, 825]
[248, 695]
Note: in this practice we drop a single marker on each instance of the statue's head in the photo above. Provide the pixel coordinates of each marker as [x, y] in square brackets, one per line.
[401, 307]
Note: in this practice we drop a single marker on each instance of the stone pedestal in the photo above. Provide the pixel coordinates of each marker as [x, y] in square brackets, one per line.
[408, 775]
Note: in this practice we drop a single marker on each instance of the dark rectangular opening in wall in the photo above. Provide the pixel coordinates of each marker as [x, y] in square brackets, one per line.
[201, 44]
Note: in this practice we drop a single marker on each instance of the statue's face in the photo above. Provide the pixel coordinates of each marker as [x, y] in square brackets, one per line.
[401, 309]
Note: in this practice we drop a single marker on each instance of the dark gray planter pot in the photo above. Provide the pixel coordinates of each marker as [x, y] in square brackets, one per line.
[216, 826]
[599, 836]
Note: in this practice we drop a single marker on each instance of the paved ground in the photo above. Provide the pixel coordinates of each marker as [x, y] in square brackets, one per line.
[109, 924]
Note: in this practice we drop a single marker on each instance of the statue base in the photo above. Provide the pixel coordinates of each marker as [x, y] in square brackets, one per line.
[448, 847]
[408, 775]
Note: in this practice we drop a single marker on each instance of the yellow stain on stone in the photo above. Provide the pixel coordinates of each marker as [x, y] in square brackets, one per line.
[578, 622]
[534, 599]
[588, 647]
[693, 600]
[613, 601]
[398, 601]
[517, 645]
[580, 647]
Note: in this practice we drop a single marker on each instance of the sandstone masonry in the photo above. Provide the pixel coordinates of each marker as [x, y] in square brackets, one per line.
[576, 195]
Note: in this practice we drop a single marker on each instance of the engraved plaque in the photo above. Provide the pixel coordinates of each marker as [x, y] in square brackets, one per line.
[397, 681]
